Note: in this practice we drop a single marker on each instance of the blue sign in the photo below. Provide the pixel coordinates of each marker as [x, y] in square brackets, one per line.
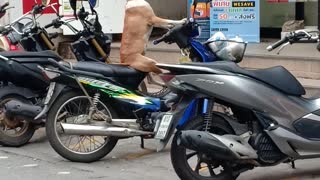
[236, 18]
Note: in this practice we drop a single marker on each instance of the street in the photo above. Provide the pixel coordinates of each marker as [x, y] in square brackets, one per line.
[38, 161]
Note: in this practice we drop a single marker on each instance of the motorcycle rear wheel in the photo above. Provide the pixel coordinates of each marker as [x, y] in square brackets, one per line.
[78, 149]
[180, 158]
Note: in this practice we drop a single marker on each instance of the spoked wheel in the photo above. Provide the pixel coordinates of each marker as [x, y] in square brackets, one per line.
[14, 132]
[74, 108]
[152, 86]
[192, 165]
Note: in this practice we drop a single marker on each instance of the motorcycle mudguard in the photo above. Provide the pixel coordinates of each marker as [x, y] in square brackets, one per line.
[178, 114]
[58, 89]
[11, 89]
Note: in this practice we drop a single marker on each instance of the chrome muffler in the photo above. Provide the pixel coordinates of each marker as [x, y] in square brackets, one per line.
[90, 130]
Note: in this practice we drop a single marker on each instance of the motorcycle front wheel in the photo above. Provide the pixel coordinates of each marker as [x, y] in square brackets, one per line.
[73, 107]
[192, 165]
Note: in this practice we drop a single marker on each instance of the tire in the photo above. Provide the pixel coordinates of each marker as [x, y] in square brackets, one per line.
[26, 134]
[178, 157]
[60, 148]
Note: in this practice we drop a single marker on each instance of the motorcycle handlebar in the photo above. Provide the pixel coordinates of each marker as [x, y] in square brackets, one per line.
[277, 44]
[4, 6]
[49, 25]
[157, 41]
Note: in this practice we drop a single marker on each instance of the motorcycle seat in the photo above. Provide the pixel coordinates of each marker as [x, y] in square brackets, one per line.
[277, 77]
[109, 70]
[28, 55]
[120, 73]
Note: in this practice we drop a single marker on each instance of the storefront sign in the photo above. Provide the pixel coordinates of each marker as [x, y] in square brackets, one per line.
[236, 18]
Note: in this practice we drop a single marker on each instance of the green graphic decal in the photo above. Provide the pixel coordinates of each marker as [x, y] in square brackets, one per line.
[115, 91]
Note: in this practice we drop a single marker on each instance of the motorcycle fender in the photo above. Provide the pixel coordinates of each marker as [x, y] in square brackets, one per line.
[11, 89]
[178, 114]
[58, 89]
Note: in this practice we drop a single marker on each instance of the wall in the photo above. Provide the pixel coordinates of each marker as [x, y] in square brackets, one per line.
[311, 13]
[275, 14]
[172, 9]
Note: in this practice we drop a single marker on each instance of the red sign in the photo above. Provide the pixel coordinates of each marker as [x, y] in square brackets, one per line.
[28, 4]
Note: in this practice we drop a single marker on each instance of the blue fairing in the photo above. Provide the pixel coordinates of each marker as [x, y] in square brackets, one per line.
[188, 114]
[206, 55]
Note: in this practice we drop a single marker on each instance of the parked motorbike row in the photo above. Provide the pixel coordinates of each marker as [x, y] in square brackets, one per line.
[87, 106]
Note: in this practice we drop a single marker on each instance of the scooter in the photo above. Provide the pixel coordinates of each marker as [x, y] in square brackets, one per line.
[272, 122]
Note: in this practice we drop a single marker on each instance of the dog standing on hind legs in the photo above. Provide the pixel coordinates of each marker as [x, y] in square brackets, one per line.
[138, 23]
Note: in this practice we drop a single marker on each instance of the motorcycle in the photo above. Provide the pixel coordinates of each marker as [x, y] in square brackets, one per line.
[23, 87]
[16, 95]
[4, 43]
[86, 108]
[271, 123]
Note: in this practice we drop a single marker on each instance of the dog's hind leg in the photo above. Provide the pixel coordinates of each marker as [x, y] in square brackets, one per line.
[142, 63]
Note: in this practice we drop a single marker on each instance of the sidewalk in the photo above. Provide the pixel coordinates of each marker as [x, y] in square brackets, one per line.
[302, 51]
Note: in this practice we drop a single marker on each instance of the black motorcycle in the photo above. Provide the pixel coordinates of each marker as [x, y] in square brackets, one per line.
[25, 89]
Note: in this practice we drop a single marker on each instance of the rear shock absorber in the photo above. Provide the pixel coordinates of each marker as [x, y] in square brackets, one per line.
[207, 110]
[95, 101]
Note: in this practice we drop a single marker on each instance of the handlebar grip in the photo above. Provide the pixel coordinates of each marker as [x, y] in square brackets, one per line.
[5, 5]
[157, 41]
[277, 44]
[49, 25]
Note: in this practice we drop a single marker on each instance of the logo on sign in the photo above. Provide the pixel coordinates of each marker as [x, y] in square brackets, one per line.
[243, 4]
[221, 3]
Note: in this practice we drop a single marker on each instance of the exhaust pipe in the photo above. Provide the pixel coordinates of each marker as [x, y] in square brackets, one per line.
[227, 147]
[19, 109]
[89, 130]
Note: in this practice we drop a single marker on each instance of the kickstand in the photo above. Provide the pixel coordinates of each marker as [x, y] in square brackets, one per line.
[142, 142]
[293, 164]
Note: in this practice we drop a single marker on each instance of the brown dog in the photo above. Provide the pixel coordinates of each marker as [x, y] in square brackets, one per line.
[138, 23]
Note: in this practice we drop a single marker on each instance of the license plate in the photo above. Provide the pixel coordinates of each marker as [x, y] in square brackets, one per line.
[164, 126]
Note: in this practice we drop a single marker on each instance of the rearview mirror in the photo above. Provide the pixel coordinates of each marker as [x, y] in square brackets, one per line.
[92, 3]
[46, 2]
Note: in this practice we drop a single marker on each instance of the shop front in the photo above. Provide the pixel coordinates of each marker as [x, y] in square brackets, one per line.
[274, 13]
[263, 18]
